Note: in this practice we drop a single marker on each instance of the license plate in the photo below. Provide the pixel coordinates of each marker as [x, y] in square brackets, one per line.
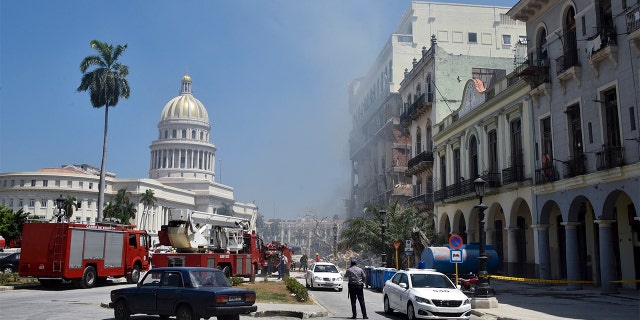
[235, 298]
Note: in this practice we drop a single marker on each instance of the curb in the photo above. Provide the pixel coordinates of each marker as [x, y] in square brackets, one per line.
[293, 314]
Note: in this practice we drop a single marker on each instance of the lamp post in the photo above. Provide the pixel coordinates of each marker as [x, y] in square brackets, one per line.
[483, 289]
[383, 226]
[60, 206]
[335, 241]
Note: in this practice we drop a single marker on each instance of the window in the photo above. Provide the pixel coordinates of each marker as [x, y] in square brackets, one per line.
[493, 151]
[473, 158]
[184, 134]
[193, 134]
[201, 135]
[547, 141]
[418, 142]
[174, 134]
[43, 203]
[90, 185]
[32, 203]
[81, 184]
[33, 183]
[11, 203]
[456, 165]
[69, 184]
[57, 183]
[575, 132]
[632, 116]
[13, 183]
[20, 203]
[45, 183]
[22, 183]
[611, 125]
[516, 144]
[443, 172]
[506, 39]
[473, 37]
[166, 134]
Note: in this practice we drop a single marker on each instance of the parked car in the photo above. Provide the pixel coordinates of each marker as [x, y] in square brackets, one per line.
[186, 293]
[425, 294]
[323, 275]
[10, 262]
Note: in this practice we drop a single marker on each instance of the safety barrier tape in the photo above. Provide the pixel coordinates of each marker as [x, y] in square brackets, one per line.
[556, 281]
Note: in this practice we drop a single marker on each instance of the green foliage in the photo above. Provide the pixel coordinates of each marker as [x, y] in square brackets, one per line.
[225, 210]
[69, 205]
[363, 234]
[236, 281]
[11, 223]
[297, 289]
[120, 208]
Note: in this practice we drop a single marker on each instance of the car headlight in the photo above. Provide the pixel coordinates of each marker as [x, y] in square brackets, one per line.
[422, 300]
[468, 301]
[317, 278]
[339, 279]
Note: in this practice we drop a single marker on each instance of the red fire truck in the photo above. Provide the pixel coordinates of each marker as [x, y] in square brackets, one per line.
[233, 246]
[82, 253]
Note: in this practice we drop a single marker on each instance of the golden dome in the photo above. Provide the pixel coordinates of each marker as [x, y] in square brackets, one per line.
[185, 106]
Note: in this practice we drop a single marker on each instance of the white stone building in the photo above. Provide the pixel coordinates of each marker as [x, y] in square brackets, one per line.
[181, 175]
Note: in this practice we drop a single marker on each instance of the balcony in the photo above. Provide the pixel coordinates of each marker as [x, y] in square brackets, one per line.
[513, 174]
[575, 166]
[419, 107]
[425, 198]
[493, 179]
[568, 67]
[609, 157]
[537, 75]
[420, 162]
[601, 47]
[633, 29]
[548, 173]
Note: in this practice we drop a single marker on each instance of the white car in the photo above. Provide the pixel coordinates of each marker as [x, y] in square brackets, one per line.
[323, 275]
[425, 294]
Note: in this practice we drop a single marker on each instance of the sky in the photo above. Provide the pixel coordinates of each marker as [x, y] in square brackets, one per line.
[273, 75]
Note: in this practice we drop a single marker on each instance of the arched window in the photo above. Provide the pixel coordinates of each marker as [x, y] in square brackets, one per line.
[174, 134]
[418, 141]
[201, 135]
[543, 54]
[184, 134]
[570, 57]
[166, 134]
[193, 134]
[473, 158]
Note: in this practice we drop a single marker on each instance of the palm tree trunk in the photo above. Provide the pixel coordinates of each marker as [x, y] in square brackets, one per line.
[102, 166]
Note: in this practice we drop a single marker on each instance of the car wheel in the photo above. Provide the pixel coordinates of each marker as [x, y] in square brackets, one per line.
[229, 317]
[121, 310]
[387, 307]
[185, 313]
[411, 315]
[134, 277]
[7, 270]
[89, 278]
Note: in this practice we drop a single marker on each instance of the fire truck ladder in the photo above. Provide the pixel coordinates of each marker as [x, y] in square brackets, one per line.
[58, 243]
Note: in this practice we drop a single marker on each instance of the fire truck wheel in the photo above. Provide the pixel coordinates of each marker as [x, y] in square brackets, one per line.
[134, 277]
[185, 313]
[121, 310]
[89, 278]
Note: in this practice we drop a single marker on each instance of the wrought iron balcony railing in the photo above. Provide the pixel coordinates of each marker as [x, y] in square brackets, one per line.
[610, 157]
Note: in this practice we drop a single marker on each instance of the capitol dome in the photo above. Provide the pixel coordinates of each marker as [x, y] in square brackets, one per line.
[185, 106]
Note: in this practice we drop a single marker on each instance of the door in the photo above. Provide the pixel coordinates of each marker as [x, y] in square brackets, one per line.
[169, 293]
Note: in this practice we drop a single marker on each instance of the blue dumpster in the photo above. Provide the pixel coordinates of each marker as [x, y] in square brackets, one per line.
[368, 272]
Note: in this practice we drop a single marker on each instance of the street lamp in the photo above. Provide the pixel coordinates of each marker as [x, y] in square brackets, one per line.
[383, 226]
[60, 206]
[483, 289]
[335, 241]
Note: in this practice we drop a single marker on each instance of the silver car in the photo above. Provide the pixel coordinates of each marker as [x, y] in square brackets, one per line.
[324, 275]
[425, 294]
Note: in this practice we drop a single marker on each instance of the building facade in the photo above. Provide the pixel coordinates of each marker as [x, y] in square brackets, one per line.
[380, 146]
[181, 175]
[583, 69]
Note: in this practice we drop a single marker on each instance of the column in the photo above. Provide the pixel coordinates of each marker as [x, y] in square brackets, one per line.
[512, 251]
[544, 260]
[491, 236]
[573, 260]
[607, 256]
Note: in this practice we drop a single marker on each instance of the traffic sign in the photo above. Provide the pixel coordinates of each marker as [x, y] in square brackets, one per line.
[455, 241]
[456, 256]
[408, 246]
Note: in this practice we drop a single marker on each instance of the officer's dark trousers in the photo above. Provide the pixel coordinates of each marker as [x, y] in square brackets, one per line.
[355, 292]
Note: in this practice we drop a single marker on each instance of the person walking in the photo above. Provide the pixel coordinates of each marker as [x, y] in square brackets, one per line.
[303, 262]
[282, 265]
[317, 257]
[356, 277]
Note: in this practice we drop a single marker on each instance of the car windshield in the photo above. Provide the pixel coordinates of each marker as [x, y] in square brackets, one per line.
[325, 268]
[422, 280]
[208, 279]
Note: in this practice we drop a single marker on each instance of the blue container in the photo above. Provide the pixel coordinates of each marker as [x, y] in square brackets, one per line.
[439, 258]
[368, 272]
[388, 274]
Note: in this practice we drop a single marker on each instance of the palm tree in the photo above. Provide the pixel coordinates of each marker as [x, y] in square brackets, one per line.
[70, 203]
[148, 200]
[106, 83]
[120, 208]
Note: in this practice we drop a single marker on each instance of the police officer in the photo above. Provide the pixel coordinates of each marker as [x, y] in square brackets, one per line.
[356, 278]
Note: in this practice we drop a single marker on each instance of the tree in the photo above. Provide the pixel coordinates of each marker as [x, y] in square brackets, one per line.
[70, 203]
[148, 200]
[225, 210]
[120, 208]
[11, 222]
[106, 83]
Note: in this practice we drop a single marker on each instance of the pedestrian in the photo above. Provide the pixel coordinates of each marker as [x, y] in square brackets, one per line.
[282, 265]
[356, 277]
[303, 262]
[317, 257]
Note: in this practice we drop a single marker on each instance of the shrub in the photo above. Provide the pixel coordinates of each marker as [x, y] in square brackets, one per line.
[297, 289]
[236, 281]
